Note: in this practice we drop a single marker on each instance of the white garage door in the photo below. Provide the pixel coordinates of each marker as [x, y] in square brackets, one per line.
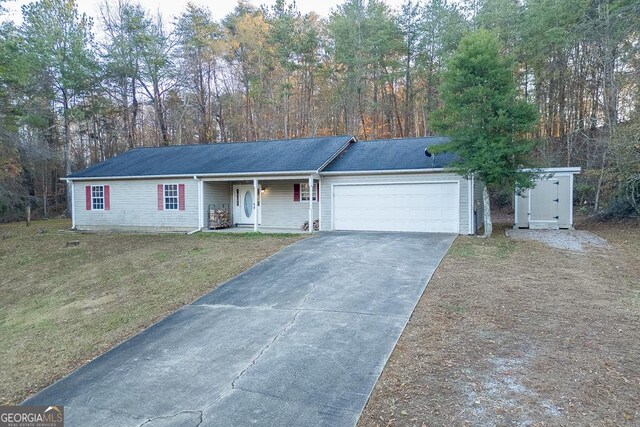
[426, 207]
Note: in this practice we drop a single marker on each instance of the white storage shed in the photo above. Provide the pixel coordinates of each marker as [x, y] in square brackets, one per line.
[548, 205]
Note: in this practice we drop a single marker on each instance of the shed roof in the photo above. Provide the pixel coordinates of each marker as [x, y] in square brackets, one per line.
[281, 156]
[390, 154]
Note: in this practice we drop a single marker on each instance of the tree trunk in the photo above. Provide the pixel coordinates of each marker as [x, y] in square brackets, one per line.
[286, 107]
[596, 205]
[203, 136]
[134, 113]
[160, 115]
[364, 125]
[488, 225]
[45, 191]
[374, 118]
[67, 146]
[219, 115]
[394, 100]
[126, 112]
[407, 89]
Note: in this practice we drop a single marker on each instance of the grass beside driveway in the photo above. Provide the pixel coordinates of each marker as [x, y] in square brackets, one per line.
[513, 333]
[62, 306]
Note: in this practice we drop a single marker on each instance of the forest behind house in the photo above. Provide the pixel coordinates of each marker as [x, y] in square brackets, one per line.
[76, 90]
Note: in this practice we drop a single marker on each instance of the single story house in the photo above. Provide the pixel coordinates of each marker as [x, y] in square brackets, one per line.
[338, 182]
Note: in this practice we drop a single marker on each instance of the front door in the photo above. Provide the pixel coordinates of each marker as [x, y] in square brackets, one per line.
[244, 204]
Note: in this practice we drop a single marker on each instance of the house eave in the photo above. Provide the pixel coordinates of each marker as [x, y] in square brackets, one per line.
[234, 175]
[384, 171]
[564, 170]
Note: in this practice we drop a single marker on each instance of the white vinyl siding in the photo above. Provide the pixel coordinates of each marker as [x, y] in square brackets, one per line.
[328, 182]
[278, 208]
[565, 205]
[217, 193]
[134, 206]
[544, 197]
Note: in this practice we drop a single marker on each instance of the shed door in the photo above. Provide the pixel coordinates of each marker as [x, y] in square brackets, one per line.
[423, 207]
[543, 208]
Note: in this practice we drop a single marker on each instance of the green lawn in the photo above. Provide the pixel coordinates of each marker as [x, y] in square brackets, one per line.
[62, 306]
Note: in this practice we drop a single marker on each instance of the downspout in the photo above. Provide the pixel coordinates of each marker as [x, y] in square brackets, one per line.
[515, 208]
[319, 202]
[471, 199]
[69, 183]
[73, 204]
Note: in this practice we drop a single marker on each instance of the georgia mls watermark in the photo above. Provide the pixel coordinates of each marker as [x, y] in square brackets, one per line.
[31, 416]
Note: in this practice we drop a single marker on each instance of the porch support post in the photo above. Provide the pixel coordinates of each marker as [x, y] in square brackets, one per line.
[255, 211]
[201, 203]
[311, 203]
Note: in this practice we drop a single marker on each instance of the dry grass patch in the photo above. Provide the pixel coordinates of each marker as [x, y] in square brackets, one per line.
[518, 333]
[62, 306]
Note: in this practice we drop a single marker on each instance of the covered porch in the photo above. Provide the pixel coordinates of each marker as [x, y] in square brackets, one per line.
[269, 204]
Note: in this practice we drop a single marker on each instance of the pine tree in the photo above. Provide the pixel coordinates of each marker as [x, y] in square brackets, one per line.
[484, 117]
[57, 37]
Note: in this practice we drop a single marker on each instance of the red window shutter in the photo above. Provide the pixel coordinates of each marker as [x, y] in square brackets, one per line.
[160, 197]
[296, 192]
[107, 198]
[181, 197]
[316, 188]
[87, 190]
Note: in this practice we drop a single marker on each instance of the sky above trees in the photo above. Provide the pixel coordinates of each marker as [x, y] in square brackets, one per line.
[219, 8]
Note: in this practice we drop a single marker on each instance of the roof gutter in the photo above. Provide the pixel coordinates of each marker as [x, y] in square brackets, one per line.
[204, 175]
[385, 171]
[554, 170]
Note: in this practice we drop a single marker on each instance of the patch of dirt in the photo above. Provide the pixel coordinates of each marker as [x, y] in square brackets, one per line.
[571, 240]
[88, 305]
[518, 333]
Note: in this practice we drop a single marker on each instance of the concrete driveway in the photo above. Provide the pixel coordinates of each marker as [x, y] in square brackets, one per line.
[299, 339]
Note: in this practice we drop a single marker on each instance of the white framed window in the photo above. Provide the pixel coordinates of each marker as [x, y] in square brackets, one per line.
[171, 196]
[304, 192]
[97, 197]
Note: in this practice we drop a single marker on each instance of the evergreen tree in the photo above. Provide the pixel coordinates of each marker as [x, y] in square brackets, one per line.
[197, 35]
[484, 117]
[57, 38]
[123, 24]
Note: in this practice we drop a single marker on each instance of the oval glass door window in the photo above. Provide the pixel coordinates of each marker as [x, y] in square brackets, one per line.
[248, 204]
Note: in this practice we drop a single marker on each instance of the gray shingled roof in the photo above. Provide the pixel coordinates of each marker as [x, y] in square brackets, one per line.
[390, 154]
[301, 155]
